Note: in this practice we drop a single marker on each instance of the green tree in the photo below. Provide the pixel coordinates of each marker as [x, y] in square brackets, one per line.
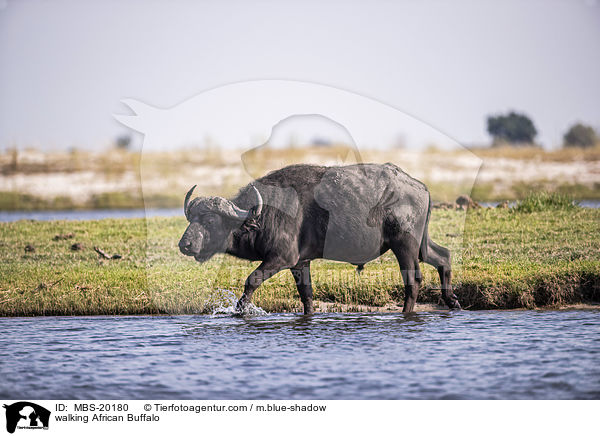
[513, 128]
[580, 135]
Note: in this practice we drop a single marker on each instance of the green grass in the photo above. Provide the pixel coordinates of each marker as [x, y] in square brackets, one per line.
[487, 191]
[504, 260]
[15, 201]
[544, 201]
[568, 154]
[10, 200]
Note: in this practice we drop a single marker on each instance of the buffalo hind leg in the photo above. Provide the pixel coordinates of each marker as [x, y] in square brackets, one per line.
[301, 273]
[439, 257]
[264, 271]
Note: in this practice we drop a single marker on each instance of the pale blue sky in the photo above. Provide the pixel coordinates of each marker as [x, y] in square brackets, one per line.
[65, 65]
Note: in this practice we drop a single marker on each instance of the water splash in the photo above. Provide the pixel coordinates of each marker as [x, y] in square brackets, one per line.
[224, 302]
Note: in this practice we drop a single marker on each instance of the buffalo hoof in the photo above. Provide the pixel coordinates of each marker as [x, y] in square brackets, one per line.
[308, 307]
[241, 305]
[453, 303]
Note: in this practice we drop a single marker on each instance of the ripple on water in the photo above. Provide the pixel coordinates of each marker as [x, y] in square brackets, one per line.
[476, 355]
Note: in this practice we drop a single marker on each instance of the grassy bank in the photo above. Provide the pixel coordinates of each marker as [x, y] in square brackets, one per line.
[507, 259]
[18, 201]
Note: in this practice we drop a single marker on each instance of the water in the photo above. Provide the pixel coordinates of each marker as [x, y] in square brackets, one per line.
[50, 215]
[429, 355]
[592, 204]
[224, 302]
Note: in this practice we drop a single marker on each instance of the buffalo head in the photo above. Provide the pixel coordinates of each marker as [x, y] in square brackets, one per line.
[211, 222]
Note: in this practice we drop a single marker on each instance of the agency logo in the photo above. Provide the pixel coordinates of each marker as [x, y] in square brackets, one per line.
[26, 415]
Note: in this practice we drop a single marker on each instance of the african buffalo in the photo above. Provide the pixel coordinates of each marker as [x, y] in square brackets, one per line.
[303, 212]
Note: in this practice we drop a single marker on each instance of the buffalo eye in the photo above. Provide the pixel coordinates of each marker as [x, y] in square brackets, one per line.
[210, 219]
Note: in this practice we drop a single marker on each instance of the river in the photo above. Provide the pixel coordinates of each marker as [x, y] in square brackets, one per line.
[94, 214]
[427, 355]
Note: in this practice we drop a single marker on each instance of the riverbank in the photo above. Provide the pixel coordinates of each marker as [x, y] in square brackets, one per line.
[504, 260]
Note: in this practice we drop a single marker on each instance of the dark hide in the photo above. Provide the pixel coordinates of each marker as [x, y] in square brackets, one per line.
[353, 213]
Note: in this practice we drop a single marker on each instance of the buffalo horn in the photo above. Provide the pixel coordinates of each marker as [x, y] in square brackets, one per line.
[244, 214]
[187, 201]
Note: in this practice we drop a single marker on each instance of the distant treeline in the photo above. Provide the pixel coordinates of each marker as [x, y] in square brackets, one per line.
[518, 129]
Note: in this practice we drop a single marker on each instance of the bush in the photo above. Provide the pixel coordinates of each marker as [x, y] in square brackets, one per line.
[513, 128]
[543, 201]
[115, 200]
[580, 135]
[123, 142]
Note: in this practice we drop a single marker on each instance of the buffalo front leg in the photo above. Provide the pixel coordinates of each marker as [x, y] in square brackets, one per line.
[264, 271]
[406, 253]
[301, 273]
[411, 275]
